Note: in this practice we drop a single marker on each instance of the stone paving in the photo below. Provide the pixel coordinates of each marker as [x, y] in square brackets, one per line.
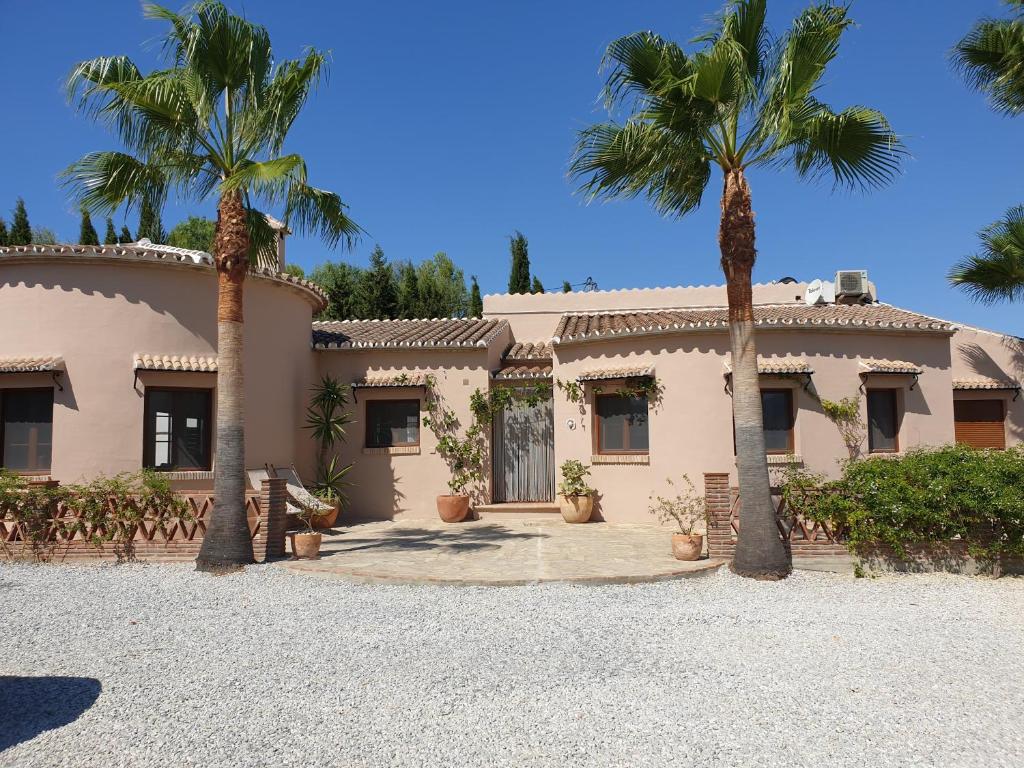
[499, 553]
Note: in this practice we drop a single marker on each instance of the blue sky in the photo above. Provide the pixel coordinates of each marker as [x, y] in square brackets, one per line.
[448, 125]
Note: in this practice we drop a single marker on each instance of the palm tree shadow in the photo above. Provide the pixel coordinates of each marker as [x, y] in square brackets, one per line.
[34, 705]
[408, 539]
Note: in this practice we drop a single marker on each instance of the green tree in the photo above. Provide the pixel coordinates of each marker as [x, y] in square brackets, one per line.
[195, 233]
[476, 302]
[213, 120]
[566, 286]
[21, 231]
[295, 271]
[126, 235]
[87, 234]
[991, 59]
[340, 281]
[409, 306]
[997, 273]
[3, 233]
[442, 288]
[376, 297]
[519, 275]
[745, 99]
[44, 236]
[536, 286]
[110, 236]
[150, 223]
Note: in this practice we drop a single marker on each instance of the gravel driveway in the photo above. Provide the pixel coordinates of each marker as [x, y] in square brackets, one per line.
[158, 665]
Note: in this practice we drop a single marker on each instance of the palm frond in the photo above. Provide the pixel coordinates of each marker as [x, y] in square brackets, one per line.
[268, 179]
[639, 158]
[857, 146]
[743, 23]
[991, 59]
[102, 181]
[638, 63]
[310, 210]
[265, 124]
[997, 273]
[262, 240]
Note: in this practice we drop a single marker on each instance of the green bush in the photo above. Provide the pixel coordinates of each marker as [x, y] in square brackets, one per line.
[926, 496]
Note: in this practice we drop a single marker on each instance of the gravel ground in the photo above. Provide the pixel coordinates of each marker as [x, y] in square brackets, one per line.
[159, 665]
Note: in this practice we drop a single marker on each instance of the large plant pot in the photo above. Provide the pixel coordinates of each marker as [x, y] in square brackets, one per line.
[576, 509]
[453, 509]
[306, 546]
[687, 546]
[327, 519]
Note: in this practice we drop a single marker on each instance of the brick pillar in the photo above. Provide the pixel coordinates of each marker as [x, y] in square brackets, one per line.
[273, 510]
[719, 506]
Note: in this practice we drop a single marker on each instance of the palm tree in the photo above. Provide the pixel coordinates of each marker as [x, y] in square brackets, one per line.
[744, 100]
[991, 59]
[213, 122]
[996, 273]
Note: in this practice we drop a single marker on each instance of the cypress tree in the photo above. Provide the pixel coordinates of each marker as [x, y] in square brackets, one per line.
[126, 235]
[87, 232]
[536, 286]
[409, 304]
[377, 298]
[476, 302]
[3, 233]
[566, 287]
[110, 238]
[21, 232]
[519, 277]
[150, 224]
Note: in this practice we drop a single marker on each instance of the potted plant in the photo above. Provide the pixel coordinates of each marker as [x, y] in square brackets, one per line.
[576, 497]
[685, 510]
[330, 489]
[463, 454]
[327, 418]
[306, 543]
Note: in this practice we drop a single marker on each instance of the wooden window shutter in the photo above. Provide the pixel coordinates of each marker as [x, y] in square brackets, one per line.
[979, 423]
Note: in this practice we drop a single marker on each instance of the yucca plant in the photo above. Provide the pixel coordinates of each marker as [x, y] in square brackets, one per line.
[327, 418]
[212, 122]
[744, 99]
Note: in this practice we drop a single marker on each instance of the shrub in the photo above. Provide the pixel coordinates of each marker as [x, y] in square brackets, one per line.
[926, 496]
[574, 474]
[685, 509]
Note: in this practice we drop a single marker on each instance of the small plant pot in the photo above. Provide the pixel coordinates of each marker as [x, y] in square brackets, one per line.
[576, 509]
[306, 546]
[327, 519]
[453, 509]
[687, 546]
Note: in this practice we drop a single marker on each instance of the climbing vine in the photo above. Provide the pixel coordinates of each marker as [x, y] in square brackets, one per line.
[639, 386]
[845, 414]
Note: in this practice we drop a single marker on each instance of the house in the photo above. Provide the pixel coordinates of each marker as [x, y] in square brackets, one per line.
[108, 364]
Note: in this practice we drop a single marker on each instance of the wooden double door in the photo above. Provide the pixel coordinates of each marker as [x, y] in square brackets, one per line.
[523, 450]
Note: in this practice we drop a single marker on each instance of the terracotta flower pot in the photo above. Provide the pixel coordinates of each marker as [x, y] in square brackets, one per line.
[327, 519]
[306, 546]
[453, 509]
[576, 509]
[687, 546]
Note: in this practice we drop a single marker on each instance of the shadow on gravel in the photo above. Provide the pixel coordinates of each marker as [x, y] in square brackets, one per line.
[33, 705]
[456, 540]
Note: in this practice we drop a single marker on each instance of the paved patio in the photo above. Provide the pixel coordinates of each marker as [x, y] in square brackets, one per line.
[499, 553]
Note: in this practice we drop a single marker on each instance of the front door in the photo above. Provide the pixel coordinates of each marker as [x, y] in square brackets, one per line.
[524, 453]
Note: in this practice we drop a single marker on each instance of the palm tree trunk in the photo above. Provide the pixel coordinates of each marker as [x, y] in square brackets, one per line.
[227, 545]
[760, 552]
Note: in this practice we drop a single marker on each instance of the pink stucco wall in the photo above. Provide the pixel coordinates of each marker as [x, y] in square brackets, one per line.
[98, 315]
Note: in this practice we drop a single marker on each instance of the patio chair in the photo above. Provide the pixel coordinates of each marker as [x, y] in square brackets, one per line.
[297, 493]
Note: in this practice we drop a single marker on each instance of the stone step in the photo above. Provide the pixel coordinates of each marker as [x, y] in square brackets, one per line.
[509, 511]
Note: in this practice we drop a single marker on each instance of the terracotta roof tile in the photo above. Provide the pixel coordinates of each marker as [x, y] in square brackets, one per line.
[536, 370]
[770, 366]
[529, 350]
[445, 333]
[391, 380]
[626, 372]
[577, 327]
[199, 364]
[31, 364]
[985, 383]
[890, 366]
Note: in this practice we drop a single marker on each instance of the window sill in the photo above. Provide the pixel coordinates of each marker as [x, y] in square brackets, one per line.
[395, 450]
[187, 474]
[620, 458]
[776, 459]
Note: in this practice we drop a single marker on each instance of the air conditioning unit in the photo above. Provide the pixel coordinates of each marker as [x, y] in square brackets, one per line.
[852, 283]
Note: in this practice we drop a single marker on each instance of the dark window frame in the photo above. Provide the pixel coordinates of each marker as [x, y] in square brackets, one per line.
[896, 420]
[791, 432]
[385, 401]
[3, 422]
[625, 434]
[148, 429]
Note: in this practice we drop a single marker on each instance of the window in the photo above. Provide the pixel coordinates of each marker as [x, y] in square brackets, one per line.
[883, 421]
[178, 429]
[621, 424]
[27, 429]
[777, 416]
[392, 423]
[979, 423]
